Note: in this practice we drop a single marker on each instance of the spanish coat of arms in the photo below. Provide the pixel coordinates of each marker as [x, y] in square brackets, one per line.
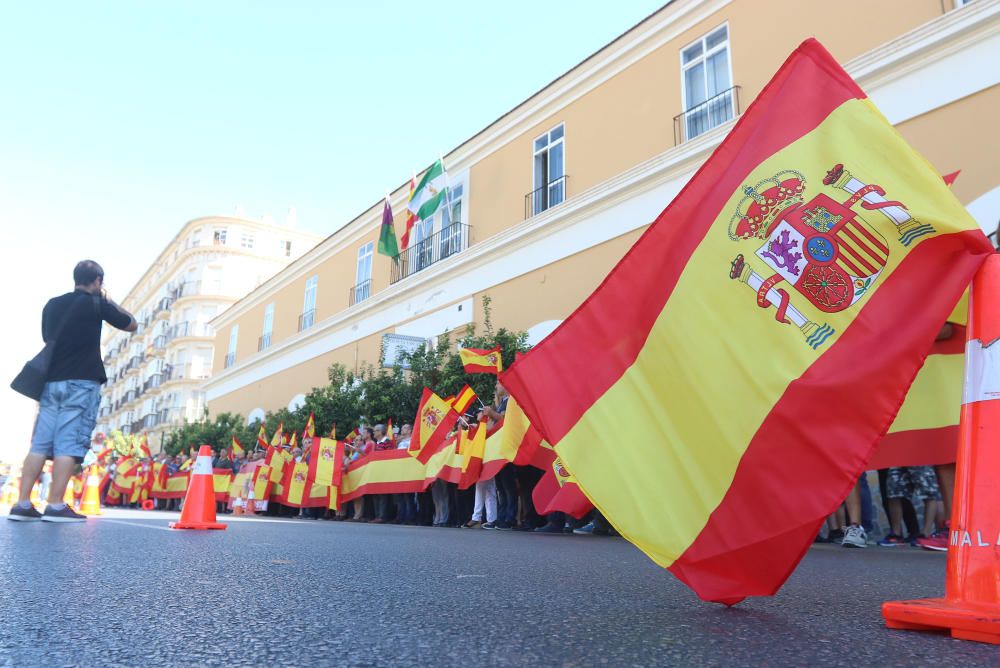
[823, 248]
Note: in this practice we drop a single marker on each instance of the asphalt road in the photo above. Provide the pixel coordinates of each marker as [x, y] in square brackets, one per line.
[124, 590]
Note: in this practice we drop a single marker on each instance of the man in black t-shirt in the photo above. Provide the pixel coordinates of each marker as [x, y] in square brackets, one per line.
[67, 409]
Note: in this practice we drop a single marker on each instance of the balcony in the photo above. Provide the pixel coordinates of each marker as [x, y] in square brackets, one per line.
[263, 342]
[105, 411]
[188, 289]
[546, 197]
[307, 319]
[707, 115]
[150, 420]
[134, 363]
[153, 382]
[130, 396]
[159, 344]
[162, 308]
[422, 254]
[360, 292]
[197, 329]
[187, 372]
[230, 360]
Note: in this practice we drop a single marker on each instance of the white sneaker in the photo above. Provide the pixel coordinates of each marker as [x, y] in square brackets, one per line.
[855, 536]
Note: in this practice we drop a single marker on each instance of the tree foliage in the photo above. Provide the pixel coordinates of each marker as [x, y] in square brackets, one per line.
[373, 395]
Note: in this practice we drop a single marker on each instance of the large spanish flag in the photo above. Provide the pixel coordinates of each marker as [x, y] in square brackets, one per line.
[720, 392]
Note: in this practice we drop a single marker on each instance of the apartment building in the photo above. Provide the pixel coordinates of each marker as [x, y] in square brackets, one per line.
[154, 374]
[546, 199]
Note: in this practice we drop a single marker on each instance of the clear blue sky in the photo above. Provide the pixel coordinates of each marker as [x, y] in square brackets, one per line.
[122, 120]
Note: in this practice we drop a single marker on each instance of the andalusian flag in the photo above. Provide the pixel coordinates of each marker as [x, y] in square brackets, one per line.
[387, 234]
[262, 438]
[435, 418]
[738, 367]
[431, 193]
[411, 218]
[326, 462]
[476, 360]
[236, 449]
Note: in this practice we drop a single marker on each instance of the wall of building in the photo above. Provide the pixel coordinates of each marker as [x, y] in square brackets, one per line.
[622, 124]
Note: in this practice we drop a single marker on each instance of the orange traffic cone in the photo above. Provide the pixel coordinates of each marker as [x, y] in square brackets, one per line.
[199, 501]
[970, 609]
[90, 503]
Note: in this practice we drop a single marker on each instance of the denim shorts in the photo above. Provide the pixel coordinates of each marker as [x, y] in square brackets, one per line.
[67, 414]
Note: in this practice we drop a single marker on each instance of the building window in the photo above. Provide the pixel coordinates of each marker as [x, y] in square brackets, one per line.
[451, 225]
[363, 274]
[219, 237]
[707, 83]
[308, 316]
[286, 248]
[549, 170]
[234, 334]
[196, 238]
[246, 241]
[265, 339]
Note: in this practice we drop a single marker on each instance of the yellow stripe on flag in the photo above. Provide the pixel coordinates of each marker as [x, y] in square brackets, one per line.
[690, 460]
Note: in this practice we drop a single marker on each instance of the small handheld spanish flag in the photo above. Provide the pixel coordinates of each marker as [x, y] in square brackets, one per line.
[236, 450]
[476, 360]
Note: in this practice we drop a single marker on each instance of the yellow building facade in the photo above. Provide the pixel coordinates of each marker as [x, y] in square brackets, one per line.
[547, 198]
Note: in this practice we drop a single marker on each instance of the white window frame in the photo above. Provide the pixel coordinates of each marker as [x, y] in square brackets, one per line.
[363, 271]
[309, 301]
[246, 241]
[705, 53]
[268, 326]
[219, 235]
[549, 184]
[234, 337]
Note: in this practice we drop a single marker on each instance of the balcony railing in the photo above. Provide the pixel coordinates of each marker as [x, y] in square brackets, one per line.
[191, 329]
[230, 359]
[307, 319]
[163, 306]
[135, 362]
[153, 382]
[360, 292]
[707, 115]
[130, 396]
[263, 342]
[188, 372]
[187, 289]
[546, 197]
[150, 420]
[105, 411]
[422, 254]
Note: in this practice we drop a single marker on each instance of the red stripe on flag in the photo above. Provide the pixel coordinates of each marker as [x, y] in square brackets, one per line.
[875, 241]
[813, 435]
[654, 264]
[917, 447]
[869, 267]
